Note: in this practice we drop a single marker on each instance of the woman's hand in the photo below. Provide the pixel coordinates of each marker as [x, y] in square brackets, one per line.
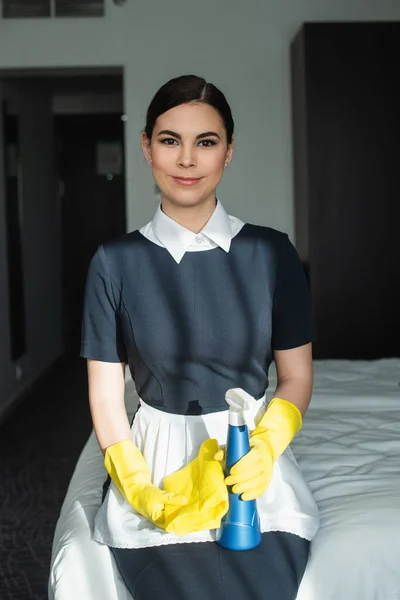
[151, 502]
[202, 482]
[252, 474]
[128, 469]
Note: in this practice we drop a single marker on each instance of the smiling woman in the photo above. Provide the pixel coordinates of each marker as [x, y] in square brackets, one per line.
[197, 302]
[188, 147]
[191, 156]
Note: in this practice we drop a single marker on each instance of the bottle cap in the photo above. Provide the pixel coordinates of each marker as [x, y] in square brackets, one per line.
[242, 407]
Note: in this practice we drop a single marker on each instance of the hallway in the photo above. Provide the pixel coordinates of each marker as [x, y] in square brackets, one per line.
[39, 445]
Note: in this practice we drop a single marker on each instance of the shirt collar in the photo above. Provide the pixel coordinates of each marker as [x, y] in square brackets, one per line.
[177, 239]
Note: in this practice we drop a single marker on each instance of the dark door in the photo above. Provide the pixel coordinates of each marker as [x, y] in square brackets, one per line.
[92, 189]
[30, 282]
[346, 96]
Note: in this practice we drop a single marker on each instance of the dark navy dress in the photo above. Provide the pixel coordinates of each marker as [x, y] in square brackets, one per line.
[189, 332]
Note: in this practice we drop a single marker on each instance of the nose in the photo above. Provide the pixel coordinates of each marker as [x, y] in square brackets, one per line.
[187, 157]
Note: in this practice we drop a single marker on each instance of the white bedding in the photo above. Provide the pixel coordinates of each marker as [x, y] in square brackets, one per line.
[349, 451]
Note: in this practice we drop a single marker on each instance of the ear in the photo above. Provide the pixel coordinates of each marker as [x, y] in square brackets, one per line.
[229, 152]
[146, 148]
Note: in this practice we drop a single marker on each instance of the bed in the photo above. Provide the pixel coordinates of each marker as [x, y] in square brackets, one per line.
[349, 452]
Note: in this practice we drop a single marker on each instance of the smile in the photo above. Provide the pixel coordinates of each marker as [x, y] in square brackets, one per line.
[186, 180]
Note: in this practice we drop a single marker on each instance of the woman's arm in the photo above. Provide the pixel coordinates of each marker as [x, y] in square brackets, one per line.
[252, 474]
[123, 461]
[107, 405]
[295, 376]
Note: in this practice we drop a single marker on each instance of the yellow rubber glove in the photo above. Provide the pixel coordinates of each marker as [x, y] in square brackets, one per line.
[252, 474]
[202, 482]
[128, 469]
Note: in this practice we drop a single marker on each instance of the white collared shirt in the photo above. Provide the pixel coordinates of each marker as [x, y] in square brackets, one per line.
[218, 231]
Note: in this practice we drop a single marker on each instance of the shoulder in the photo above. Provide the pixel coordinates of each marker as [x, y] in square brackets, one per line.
[275, 245]
[122, 242]
[118, 250]
[270, 236]
[114, 256]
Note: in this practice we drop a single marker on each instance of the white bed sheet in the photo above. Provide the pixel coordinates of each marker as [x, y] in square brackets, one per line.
[349, 452]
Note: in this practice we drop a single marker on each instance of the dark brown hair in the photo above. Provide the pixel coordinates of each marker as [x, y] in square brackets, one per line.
[185, 89]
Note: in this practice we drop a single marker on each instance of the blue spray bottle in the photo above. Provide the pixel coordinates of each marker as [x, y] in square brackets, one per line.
[240, 527]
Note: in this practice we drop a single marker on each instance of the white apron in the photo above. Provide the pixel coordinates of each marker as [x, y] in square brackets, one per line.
[168, 442]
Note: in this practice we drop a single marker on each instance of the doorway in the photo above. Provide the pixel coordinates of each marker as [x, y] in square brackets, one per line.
[62, 193]
[92, 196]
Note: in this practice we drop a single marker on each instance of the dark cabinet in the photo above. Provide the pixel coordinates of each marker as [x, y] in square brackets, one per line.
[346, 125]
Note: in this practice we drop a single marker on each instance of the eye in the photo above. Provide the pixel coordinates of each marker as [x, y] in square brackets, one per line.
[207, 143]
[168, 141]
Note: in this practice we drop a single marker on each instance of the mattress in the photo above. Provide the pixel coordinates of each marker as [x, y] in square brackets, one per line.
[348, 451]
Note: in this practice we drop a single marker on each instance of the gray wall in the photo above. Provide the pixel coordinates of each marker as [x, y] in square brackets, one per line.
[241, 46]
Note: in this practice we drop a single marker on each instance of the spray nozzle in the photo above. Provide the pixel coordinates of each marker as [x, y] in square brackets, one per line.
[241, 407]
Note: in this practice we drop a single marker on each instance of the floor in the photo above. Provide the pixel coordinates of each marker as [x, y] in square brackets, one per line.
[39, 445]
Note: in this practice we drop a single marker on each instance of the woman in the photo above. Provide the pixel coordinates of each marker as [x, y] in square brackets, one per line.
[198, 302]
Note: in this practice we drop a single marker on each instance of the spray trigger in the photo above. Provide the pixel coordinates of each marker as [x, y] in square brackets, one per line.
[244, 404]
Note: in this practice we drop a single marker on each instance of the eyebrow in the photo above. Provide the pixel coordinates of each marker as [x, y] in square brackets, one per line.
[198, 137]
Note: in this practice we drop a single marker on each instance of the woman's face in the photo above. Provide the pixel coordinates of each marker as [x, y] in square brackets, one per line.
[188, 153]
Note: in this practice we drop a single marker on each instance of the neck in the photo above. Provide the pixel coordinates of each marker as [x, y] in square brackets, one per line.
[193, 218]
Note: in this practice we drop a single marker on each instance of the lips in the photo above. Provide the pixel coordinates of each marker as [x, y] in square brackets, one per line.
[186, 180]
